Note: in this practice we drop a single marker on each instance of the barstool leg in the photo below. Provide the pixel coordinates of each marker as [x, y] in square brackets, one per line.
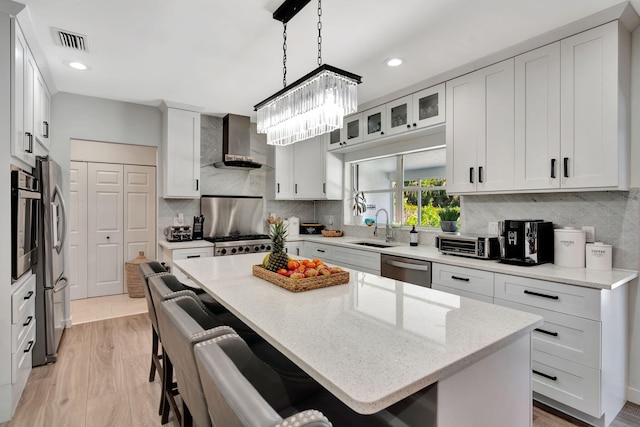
[154, 354]
[187, 419]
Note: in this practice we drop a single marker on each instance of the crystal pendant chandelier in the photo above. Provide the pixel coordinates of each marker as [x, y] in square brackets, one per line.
[314, 104]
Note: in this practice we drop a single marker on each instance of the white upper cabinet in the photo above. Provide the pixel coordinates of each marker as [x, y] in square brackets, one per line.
[21, 142]
[41, 111]
[595, 84]
[180, 153]
[306, 171]
[480, 130]
[399, 115]
[375, 122]
[429, 107]
[537, 118]
[352, 132]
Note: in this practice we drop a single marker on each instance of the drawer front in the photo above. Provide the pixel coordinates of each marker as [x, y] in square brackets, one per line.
[461, 293]
[464, 279]
[318, 250]
[364, 259]
[559, 297]
[568, 337]
[23, 299]
[192, 253]
[20, 328]
[21, 359]
[573, 384]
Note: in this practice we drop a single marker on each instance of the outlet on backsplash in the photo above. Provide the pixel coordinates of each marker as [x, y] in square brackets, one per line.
[590, 231]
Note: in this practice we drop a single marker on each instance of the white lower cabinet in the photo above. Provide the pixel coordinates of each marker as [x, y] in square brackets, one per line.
[466, 282]
[23, 334]
[171, 255]
[579, 354]
[362, 260]
[294, 248]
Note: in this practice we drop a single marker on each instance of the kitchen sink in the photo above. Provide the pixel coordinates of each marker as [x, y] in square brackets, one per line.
[373, 245]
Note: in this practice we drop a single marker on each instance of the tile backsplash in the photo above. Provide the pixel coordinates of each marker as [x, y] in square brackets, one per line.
[615, 215]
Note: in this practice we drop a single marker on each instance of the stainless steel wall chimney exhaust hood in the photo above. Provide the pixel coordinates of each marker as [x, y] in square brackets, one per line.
[236, 144]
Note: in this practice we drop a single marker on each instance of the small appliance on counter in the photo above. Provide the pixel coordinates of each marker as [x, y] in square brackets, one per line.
[525, 242]
[179, 233]
[198, 224]
[569, 245]
[309, 228]
[473, 246]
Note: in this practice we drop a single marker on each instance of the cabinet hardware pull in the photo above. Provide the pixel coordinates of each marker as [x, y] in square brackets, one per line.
[471, 175]
[542, 331]
[29, 136]
[28, 349]
[409, 126]
[541, 295]
[29, 295]
[463, 279]
[320, 250]
[197, 185]
[480, 174]
[193, 256]
[552, 378]
[28, 322]
[324, 187]
[415, 125]
[553, 168]
[296, 191]
[566, 167]
[46, 129]
[381, 133]
[278, 191]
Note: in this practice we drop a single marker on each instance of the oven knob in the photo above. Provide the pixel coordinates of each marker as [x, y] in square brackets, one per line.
[257, 248]
[223, 252]
[240, 248]
[268, 247]
[261, 246]
[247, 249]
[233, 251]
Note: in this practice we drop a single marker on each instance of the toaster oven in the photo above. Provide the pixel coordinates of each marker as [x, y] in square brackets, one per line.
[179, 233]
[483, 247]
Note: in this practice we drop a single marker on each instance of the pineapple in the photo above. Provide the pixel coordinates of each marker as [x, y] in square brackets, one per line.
[277, 259]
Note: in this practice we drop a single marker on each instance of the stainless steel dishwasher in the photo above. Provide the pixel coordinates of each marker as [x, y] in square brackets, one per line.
[408, 270]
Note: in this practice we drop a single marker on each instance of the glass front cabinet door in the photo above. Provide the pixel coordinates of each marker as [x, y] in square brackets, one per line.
[428, 107]
[375, 122]
[351, 133]
[400, 115]
[335, 139]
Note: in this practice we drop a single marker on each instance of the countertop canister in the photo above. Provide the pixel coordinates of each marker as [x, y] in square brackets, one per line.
[598, 256]
[293, 229]
[569, 247]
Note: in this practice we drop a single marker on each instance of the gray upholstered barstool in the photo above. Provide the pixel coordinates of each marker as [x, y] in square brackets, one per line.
[242, 392]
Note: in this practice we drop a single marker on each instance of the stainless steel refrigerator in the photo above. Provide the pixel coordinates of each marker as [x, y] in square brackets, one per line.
[51, 282]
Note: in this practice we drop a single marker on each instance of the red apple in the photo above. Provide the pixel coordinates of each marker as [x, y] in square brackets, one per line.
[310, 272]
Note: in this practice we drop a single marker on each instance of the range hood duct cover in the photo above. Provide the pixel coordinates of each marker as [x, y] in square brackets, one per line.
[236, 141]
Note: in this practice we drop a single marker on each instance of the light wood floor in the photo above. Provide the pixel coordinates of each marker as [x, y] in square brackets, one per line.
[100, 379]
[107, 307]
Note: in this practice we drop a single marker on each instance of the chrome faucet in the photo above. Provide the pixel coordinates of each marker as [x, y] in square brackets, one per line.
[388, 233]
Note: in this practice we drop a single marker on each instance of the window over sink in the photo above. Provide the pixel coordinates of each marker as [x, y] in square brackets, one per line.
[410, 186]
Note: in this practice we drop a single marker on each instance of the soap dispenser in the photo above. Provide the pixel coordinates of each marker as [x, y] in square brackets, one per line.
[413, 237]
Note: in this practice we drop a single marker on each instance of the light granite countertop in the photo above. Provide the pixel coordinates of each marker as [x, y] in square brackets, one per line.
[597, 279]
[371, 342]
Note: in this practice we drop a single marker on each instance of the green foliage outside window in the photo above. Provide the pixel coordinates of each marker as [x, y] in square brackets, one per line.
[431, 202]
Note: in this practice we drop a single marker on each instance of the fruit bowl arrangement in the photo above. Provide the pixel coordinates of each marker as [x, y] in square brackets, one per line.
[292, 274]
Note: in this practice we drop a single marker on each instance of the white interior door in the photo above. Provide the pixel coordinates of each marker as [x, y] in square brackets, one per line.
[105, 229]
[139, 211]
[78, 230]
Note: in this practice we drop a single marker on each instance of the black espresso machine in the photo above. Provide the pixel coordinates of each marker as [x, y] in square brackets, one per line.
[525, 242]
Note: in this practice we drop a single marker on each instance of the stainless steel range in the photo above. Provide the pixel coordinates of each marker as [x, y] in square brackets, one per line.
[234, 224]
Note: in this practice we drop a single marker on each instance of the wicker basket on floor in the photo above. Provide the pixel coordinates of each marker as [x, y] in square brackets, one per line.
[133, 276]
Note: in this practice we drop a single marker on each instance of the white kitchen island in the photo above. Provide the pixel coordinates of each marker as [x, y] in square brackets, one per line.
[375, 342]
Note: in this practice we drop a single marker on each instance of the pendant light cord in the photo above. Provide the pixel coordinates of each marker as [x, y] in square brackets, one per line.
[319, 32]
[284, 55]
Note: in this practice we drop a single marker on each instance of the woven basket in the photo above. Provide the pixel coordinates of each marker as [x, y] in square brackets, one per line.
[300, 285]
[133, 276]
[332, 233]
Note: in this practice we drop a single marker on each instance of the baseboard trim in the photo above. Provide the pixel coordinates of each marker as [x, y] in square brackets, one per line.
[5, 403]
[633, 395]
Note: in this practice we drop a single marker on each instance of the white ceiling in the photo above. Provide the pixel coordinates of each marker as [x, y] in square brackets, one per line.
[226, 56]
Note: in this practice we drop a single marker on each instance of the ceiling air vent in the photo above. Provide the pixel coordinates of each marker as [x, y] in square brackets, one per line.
[70, 40]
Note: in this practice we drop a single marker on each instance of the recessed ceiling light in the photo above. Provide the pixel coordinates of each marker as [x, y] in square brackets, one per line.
[393, 62]
[76, 65]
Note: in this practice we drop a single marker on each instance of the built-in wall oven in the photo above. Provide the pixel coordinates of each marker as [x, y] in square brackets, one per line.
[25, 205]
[408, 270]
